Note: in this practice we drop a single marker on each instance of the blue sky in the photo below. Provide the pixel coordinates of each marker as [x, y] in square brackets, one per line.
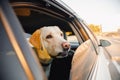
[100, 12]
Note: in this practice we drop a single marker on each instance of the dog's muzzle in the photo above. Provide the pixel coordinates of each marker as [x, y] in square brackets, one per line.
[66, 48]
[64, 53]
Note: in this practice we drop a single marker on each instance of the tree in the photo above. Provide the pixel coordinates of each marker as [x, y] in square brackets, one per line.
[97, 29]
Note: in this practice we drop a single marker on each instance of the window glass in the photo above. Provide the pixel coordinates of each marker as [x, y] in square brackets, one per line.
[9, 62]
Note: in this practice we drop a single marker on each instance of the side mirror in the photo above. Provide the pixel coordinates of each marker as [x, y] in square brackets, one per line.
[104, 43]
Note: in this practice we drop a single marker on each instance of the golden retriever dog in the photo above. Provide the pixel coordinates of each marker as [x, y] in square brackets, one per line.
[49, 43]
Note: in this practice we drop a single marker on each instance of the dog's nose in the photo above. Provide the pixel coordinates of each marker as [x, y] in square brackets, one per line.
[66, 45]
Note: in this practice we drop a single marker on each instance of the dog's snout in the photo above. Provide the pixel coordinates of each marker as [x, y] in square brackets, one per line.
[66, 45]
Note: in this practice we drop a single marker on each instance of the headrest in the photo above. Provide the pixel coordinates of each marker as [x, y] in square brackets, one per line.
[37, 42]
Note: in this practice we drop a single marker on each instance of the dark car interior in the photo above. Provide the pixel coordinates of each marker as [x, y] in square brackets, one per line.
[32, 19]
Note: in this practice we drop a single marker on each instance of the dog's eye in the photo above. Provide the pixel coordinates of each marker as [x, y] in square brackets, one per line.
[49, 36]
[61, 34]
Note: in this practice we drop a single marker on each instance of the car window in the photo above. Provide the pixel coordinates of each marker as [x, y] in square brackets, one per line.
[9, 62]
[15, 54]
[33, 19]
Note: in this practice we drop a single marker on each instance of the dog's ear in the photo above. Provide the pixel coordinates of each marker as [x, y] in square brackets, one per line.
[35, 39]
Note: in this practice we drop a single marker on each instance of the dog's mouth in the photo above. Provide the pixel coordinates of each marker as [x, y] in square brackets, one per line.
[63, 54]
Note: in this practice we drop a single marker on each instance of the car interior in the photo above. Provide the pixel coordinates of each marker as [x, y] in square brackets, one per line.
[33, 19]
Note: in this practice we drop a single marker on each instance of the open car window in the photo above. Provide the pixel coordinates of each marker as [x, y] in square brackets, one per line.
[33, 18]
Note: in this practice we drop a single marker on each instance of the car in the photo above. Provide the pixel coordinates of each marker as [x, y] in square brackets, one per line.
[88, 60]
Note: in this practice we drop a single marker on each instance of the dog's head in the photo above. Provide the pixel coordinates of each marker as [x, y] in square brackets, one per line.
[49, 42]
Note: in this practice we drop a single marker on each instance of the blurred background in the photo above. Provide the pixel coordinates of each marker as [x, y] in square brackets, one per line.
[102, 16]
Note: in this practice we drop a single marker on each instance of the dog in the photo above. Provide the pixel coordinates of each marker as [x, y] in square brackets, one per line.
[49, 43]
